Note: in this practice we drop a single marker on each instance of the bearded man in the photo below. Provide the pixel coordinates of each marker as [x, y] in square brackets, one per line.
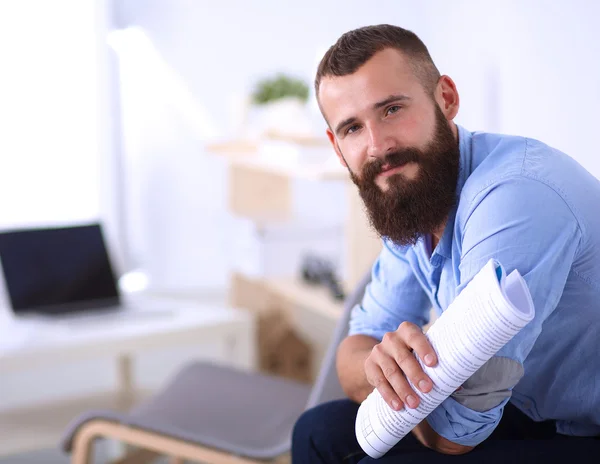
[445, 201]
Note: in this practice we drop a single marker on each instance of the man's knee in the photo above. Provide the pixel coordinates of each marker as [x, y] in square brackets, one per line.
[305, 424]
[325, 429]
[310, 425]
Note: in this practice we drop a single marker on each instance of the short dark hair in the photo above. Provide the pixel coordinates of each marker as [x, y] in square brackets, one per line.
[356, 47]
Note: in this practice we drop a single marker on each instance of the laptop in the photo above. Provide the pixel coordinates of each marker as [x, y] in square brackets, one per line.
[63, 273]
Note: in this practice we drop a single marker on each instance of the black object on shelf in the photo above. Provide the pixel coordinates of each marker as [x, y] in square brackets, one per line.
[319, 271]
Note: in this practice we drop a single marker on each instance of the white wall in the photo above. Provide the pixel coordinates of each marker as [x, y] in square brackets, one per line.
[48, 113]
[223, 48]
[524, 67]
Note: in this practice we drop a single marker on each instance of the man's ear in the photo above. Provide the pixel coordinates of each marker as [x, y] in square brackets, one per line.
[447, 97]
[336, 147]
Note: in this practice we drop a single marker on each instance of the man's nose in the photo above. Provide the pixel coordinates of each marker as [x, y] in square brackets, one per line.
[380, 143]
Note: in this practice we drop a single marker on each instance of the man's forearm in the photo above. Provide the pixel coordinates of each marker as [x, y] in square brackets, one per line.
[351, 356]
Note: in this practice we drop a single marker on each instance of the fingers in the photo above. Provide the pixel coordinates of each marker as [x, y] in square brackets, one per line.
[408, 368]
[416, 340]
[386, 374]
[376, 377]
[392, 365]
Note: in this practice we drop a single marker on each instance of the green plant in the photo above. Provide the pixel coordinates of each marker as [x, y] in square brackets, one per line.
[281, 86]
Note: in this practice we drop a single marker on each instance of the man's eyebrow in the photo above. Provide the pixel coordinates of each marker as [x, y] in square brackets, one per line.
[380, 104]
[390, 99]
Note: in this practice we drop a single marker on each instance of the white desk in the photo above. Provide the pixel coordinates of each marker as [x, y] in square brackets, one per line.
[49, 343]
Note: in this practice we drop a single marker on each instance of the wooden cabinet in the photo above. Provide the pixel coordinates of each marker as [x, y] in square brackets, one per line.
[260, 188]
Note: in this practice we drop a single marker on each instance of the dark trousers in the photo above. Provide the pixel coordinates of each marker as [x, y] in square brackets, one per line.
[325, 434]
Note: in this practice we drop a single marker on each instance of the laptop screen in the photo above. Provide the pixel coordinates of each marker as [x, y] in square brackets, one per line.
[54, 270]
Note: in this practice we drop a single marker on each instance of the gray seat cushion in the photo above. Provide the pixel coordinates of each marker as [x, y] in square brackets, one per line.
[244, 413]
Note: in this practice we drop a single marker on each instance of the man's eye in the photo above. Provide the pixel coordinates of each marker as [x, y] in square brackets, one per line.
[352, 129]
[393, 109]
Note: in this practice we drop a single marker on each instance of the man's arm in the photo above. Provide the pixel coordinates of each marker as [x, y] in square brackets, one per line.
[392, 297]
[525, 225]
[364, 364]
[352, 356]
[384, 331]
[430, 438]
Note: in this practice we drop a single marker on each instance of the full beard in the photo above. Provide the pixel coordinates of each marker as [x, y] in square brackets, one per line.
[412, 208]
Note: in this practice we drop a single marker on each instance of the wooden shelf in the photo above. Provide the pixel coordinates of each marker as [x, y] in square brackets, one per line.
[292, 168]
[313, 298]
[263, 294]
[252, 146]
[247, 156]
[42, 426]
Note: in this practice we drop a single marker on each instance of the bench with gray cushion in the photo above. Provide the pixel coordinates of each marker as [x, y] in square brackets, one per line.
[208, 412]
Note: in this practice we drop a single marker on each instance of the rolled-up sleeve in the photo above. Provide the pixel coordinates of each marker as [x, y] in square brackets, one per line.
[525, 225]
[393, 296]
[463, 425]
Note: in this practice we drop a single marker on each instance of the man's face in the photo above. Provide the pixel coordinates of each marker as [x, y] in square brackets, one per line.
[396, 142]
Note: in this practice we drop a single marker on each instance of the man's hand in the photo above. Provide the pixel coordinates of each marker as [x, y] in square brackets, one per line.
[364, 363]
[392, 362]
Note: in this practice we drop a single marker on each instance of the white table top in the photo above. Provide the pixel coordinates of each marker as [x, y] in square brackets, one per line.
[24, 343]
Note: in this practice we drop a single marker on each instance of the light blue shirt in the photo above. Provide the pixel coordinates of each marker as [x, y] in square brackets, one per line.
[533, 209]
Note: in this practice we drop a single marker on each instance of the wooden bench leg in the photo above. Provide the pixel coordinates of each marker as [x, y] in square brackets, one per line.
[125, 382]
[138, 456]
[83, 446]
[143, 439]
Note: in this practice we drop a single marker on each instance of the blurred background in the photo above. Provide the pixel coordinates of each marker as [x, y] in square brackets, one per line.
[109, 110]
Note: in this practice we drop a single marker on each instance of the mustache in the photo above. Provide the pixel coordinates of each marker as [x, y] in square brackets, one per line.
[390, 161]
